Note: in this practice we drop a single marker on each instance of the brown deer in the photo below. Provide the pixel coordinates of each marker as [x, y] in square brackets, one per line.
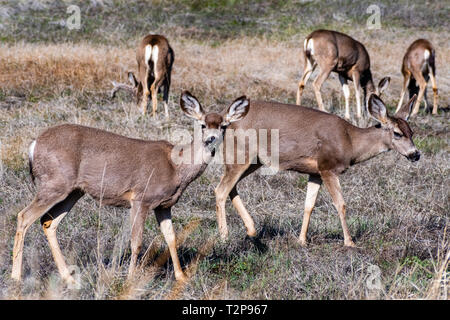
[68, 161]
[336, 52]
[317, 143]
[155, 59]
[418, 66]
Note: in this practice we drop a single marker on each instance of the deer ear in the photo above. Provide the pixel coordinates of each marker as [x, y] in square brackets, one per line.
[237, 110]
[377, 109]
[132, 79]
[191, 107]
[405, 111]
[383, 84]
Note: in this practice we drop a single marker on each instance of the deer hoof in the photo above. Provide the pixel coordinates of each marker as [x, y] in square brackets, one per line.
[303, 243]
[181, 277]
[350, 244]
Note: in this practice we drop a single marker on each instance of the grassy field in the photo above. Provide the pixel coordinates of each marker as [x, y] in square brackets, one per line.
[398, 212]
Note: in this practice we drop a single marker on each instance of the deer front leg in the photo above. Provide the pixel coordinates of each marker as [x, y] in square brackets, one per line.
[406, 79]
[227, 183]
[314, 183]
[357, 85]
[164, 218]
[334, 188]
[138, 214]
[346, 91]
[435, 91]
[422, 86]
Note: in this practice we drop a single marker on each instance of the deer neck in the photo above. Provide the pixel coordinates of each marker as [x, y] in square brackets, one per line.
[195, 159]
[368, 143]
[367, 85]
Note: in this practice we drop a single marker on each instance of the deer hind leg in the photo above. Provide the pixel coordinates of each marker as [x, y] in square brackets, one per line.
[422, 86]
[164, 218]
[166, 97]
[227, 183]
[346, 91]
[406, 79]
[50, 222]
[317, 84]
[39, 206]
[334, 188]
[310, 66]
[357, 85]
[314, 183]
[138, 214]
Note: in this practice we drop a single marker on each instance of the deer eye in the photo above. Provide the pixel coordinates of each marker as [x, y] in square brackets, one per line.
[397, 135]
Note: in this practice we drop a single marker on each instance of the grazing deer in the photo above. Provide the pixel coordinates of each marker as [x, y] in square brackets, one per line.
[417, 67]
[68, 161]
[155, 59]
[336, 52]
[317, 143]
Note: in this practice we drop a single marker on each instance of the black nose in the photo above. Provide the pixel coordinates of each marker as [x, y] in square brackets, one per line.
[210, 140]
[414, 156]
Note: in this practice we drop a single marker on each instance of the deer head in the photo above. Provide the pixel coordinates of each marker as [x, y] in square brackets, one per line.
[397, 125]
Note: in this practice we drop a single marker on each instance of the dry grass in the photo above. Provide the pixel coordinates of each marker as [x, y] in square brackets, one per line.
[398, 212]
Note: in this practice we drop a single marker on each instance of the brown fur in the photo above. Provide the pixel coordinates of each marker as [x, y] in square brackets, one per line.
[148, 81]
[71, 160]
[417, 70]
[336, 52]
[316, 143]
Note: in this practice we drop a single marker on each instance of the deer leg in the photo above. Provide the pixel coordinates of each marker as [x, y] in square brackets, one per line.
[314, 183]
[25, 218]
[323, 75]
[346, 91]
[309, 69]
[239, 205]
[153, 90]
[166, 98]
[406, 79]
[227, 183]
[50, 222]
[422, 86]
[357, 85]
[138, 214]
[334, 188]
[145, 93]
[163, 215]
[435, 91]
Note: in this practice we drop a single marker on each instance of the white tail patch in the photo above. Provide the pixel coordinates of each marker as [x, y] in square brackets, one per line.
[31, 150]
[148, 53]
[426, 54]
[310, 46]
[155, 52]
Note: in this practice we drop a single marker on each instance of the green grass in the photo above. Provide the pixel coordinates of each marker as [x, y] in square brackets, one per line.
[431, 144]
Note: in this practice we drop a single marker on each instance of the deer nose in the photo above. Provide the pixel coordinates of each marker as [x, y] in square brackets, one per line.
[210, 140]
[415, 156]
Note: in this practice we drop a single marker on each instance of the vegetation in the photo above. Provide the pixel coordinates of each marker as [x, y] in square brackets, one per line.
[398, 212]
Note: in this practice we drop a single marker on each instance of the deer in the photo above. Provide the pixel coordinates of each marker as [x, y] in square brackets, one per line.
[68, 161]
[419, 65]
[155, 59]
[337, 52]
[312, 142]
